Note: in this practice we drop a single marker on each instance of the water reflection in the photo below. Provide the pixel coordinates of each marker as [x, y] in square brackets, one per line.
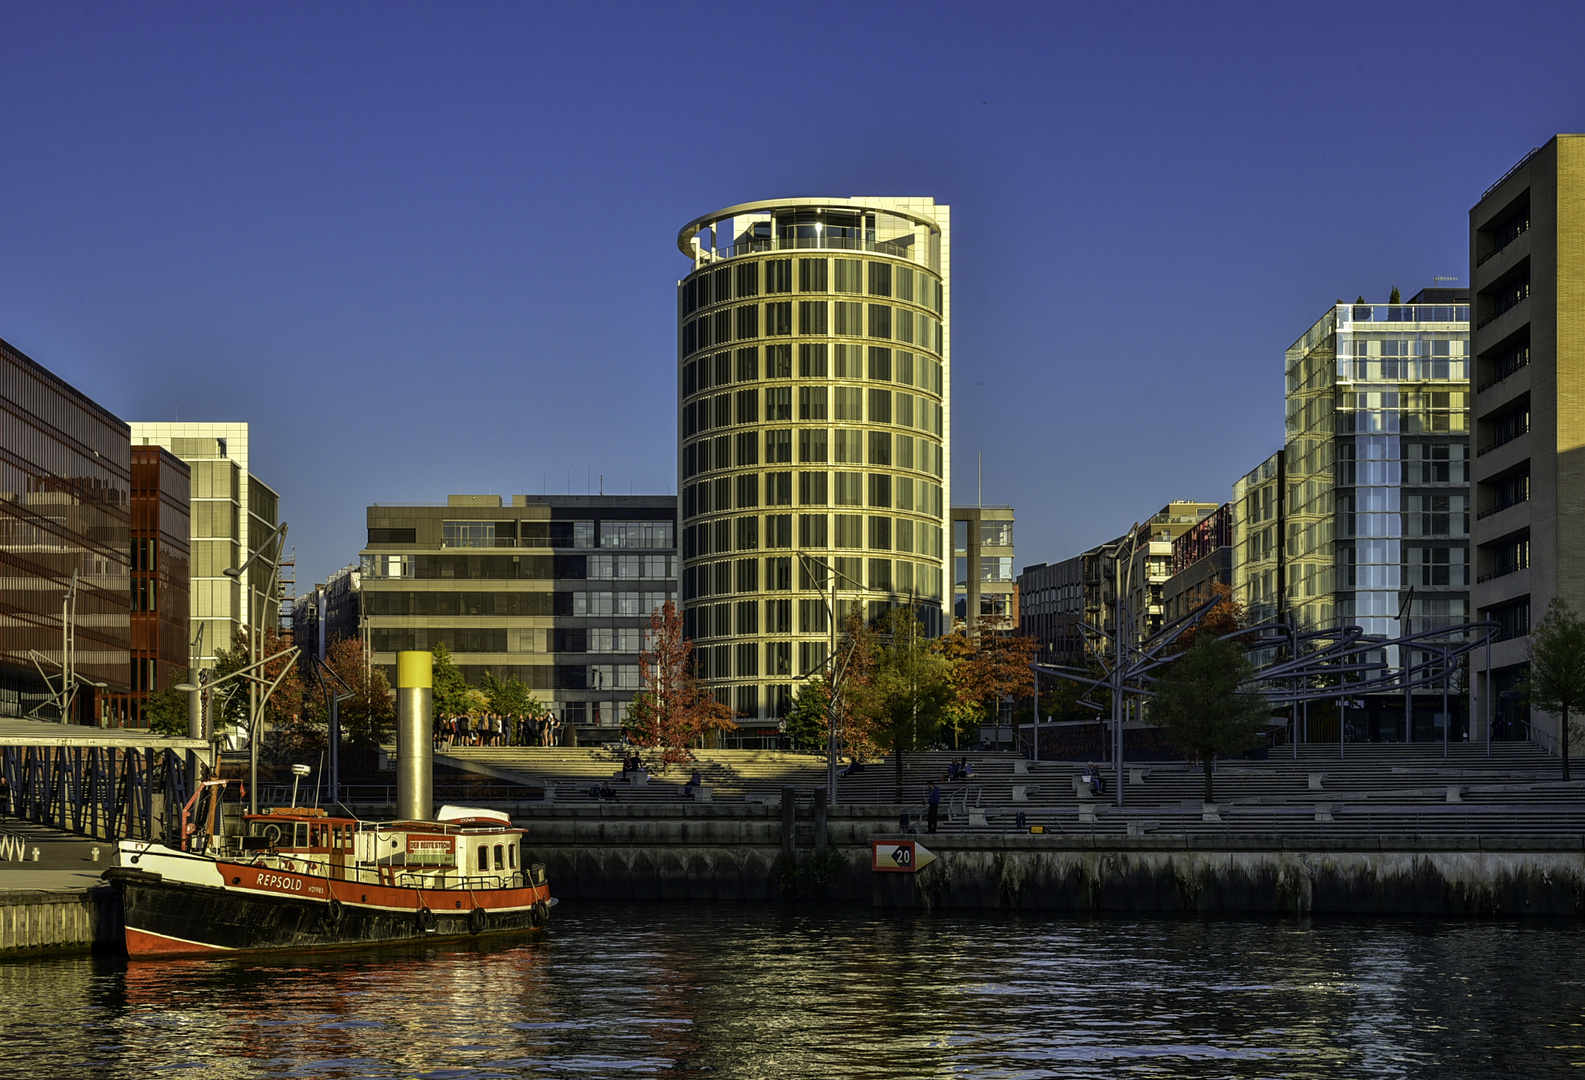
[766, 993]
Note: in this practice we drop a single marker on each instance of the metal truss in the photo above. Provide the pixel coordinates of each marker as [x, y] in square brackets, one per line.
[106, 792]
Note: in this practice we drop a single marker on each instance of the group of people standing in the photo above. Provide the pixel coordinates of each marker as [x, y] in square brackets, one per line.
[493, 729]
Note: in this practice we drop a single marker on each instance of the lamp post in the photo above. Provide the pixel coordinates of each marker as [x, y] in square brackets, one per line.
[833, 742]
[255, 647]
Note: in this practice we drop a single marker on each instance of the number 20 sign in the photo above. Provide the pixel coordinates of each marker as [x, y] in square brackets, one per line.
[899, 856]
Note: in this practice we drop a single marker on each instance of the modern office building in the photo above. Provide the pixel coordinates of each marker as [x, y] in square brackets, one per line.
[1260, 533]
[65, 492]
[1051, 610]
[1202, 559]
[555, 589]
[233, 513]
[983, 586]
[160, 519]
[814, 431]
[1527, 273]
[1377, 458]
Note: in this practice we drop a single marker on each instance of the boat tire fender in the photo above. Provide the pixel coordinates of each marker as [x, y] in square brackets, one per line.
[426, 919]
[541, 913]
[478, 919]
[333, 912]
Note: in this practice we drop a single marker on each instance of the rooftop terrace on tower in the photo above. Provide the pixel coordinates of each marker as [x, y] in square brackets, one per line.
[909, 229]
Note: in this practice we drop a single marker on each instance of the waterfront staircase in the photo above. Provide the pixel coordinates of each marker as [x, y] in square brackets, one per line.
[1371, 790]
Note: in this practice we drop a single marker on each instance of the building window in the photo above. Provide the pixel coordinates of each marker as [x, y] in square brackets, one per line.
[748, 616]
[849, 489]
[812, 275]
[880, 533]
[748, 364]
[849, 318]
[747, 407]
[880, 490]
[747, 279]
[812, 403]
[812, 530]
[748, 322]
[778, 658]
[849, 403]
[778, 276]
[778, 319]
[747, 575]
[778, 617]
[849, 275]
[747, 448]
[635, 534]
[849, 446]
[880, 279]
[778, 403]
[812, 490]
[778, 574]
[813, 317]
[747, 533]
[778, 446]
[747, 491]
[778, 489]
[880, 363]
[812, 445]
[880, 321]
[778, 361]
[812, 361]
[849, 530]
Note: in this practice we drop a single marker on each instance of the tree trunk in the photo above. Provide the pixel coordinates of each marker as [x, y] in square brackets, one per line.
[897, 761]
[1210, 761]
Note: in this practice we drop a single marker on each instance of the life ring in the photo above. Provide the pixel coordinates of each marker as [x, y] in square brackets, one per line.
[272, 833]
[333, 912]
[426, 919]
[478, 919]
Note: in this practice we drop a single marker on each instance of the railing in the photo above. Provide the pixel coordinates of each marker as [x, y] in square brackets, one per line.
[894, 248]
[1501, 573]
[1484, 514]
[1502, 440]
[1500, 248]
[1522, 162]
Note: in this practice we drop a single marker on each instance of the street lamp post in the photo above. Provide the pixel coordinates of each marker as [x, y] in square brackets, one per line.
[255, 648]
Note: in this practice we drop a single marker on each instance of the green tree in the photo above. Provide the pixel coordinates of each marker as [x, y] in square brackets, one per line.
[449, 693]
[1201, 703]
[809, 721]
[1556, 680]
[511, 698]
[904, 699]
[1396, 297]
[166, 712]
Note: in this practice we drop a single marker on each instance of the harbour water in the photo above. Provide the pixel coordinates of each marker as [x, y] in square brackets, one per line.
[764, 993]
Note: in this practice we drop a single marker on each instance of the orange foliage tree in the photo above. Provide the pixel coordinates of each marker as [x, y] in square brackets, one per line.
[986, 667]
[672, 710]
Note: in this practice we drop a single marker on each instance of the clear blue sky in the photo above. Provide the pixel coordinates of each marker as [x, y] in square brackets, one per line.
[431, 248]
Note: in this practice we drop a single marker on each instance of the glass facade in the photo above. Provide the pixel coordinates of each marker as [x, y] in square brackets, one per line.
[65, 490]
[1376, 471]
[813, 391]
[161, 485]
[1259, 534]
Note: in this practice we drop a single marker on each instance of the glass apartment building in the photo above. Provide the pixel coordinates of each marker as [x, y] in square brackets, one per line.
[1376, 468]
[1259, 535]
[813, 384]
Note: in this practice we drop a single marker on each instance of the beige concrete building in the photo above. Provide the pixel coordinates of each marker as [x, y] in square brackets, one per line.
[233, 512]
[1527, 273]
[983, 584]
[814, 432]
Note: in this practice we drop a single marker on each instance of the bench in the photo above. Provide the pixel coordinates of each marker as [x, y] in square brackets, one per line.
[1323, 813]
[703, 793]
[1211, 813]
[1086, 813]
[1021, 767]
[1022, 792]
[1136, 777]
[1455, 793]
[1316, 780]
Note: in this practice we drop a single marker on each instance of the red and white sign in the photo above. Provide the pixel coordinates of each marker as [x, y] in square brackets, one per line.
[431, 845]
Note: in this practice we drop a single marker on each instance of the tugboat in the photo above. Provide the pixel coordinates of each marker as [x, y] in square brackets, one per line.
[299, 878]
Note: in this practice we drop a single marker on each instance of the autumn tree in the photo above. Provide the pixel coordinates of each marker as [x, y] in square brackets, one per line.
[672, 710]
[1201, 702]
[986, 667]
[293, 735]
[1225, 616]
[368, 716]
[1556, 679]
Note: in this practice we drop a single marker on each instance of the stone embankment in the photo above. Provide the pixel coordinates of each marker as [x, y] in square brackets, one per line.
[727, 852]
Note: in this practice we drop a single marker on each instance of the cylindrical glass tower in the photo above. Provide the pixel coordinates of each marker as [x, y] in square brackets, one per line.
[814, 374]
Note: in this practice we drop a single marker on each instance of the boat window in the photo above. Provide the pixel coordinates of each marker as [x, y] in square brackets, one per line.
[302, 834]
[500, 857]
[511, 857]
[484, 857]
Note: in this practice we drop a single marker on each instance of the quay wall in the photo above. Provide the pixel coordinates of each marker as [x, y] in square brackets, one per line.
[733, 853]
[59, 920]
